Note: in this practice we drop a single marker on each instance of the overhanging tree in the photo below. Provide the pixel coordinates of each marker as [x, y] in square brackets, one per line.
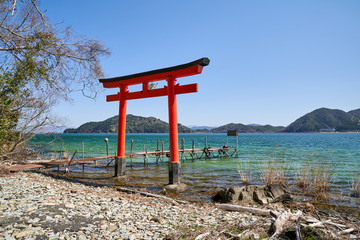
[40, 63]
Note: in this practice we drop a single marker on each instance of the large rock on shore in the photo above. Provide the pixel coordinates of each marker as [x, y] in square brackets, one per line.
[262, 194]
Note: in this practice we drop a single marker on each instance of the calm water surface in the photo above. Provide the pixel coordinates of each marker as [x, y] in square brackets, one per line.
[341, 152]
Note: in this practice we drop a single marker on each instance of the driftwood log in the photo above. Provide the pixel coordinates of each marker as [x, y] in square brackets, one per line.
[202, 236]
[282, 218]
[127, 190]
[239, 236]
[230, 207]
[346, 231]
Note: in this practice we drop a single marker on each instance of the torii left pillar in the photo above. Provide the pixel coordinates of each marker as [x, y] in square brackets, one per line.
[171, 90]
[120, 159]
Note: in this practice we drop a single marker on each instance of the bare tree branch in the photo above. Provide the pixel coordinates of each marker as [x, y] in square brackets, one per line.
[13, 8]
[37, 57]
[37, 9]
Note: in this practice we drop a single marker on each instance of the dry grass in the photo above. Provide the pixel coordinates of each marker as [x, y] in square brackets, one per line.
[355, 187]
[322, 174]
[275, 168]
[244, 172]
[314, 175]
[303, 172]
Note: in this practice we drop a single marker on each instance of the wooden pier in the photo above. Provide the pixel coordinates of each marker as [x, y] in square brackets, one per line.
[190, 154]
[185, 154]
[23, 167]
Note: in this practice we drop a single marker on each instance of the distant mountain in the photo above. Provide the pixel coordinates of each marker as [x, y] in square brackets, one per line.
[324, 119]
[201, 130]
[355, 113]
[134, 124]
[193, 127]
[241, 128]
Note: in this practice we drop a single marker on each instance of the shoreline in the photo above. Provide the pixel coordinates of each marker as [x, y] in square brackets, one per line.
[153, 182]
[35, 206]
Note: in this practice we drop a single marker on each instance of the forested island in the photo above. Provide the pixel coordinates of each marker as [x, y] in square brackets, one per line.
[134, 124]
[319, 120]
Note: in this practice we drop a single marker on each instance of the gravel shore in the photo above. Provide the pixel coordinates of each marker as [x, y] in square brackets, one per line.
[37, 206]
[34, 206]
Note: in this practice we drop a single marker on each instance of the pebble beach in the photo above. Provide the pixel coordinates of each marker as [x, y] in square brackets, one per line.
[35, 206]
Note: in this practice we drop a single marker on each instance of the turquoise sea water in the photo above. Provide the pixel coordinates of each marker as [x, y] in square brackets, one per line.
[340, 151]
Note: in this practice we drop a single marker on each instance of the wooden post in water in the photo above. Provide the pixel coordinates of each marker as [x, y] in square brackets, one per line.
[193, 149]
[235, 134]
[157, 152]
[61, 147]
[162, 149]
[107, 146]
[182, 147]
[145, 156]
[206, 149]
[83, 150]
[131, 151]
[237, 146]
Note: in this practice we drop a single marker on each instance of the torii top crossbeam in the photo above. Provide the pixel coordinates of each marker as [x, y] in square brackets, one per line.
[183, 70]
[171, 90]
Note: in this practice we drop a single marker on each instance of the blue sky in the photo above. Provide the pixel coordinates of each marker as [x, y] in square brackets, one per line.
[271, 61]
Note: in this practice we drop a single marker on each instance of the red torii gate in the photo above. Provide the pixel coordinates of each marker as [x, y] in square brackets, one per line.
[171, 90]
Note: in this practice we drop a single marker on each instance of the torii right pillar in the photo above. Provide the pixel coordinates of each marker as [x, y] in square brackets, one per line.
[174, 164]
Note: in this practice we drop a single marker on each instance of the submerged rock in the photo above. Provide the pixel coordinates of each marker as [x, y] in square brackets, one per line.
[180, 187]
[262, 194]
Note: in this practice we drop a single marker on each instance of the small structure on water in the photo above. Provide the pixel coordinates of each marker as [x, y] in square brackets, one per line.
[328, 130]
